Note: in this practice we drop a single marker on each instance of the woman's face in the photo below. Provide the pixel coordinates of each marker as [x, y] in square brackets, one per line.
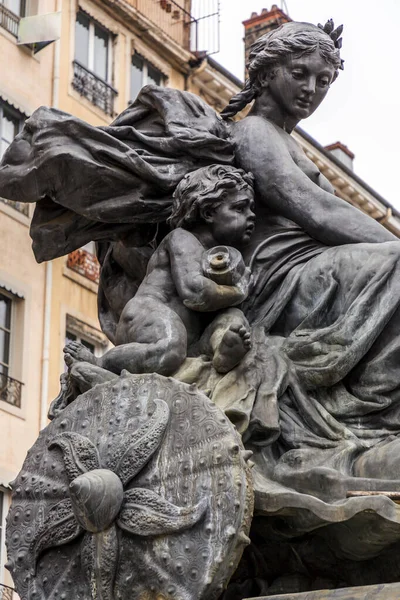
[300, 85]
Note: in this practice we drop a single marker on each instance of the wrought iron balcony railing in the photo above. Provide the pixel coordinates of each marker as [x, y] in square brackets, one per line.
[94, 88]
[9, 21]
[85, 263]
[193, 25]
[6, 592]
[21, 207]
[10, 391]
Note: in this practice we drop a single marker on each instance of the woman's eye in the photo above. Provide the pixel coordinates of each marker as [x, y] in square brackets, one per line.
[297, 74]
[324, 82]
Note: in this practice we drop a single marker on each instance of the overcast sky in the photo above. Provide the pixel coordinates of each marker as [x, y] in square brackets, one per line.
[362, 108]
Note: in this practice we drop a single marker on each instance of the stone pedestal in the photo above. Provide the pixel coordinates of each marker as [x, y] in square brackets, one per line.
[390, 591]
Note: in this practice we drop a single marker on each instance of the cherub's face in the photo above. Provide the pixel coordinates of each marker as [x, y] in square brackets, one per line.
[233, 221]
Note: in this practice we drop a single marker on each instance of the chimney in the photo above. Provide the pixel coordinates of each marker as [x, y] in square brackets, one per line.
[342, 153]
[260, 24]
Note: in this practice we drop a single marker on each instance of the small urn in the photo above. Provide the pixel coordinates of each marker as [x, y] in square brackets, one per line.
[223, 264]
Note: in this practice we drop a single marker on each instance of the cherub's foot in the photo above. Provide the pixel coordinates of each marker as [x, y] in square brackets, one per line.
[77, 352]
[235, 343]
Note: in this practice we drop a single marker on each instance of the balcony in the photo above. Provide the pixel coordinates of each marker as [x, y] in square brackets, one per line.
[21, 207]
[6, 592]
[85, 263]
[94, 88]
[193, 24]
[9, 21]
[10, 392]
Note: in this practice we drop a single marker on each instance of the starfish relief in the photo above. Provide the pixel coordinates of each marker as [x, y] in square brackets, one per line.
[100, 502]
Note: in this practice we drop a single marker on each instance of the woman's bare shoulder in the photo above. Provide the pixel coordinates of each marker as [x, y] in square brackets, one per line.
[251, 124]
[259, 145]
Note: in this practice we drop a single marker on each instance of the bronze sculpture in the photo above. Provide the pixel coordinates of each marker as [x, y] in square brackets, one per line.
[316, 397]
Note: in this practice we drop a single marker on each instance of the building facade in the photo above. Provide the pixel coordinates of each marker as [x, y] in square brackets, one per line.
[105, 52]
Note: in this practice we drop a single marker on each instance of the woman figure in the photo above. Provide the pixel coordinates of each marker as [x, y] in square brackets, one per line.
[327, 283]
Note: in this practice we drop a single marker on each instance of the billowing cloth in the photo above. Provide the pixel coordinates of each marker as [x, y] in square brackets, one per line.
[97, 183]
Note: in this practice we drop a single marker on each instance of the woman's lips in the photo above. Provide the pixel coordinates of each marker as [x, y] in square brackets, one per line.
[304, 103]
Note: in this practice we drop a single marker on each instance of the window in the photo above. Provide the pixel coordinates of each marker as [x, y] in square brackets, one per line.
[93, 45]
[10, 388]
[10, 124]
[84, 262]
[93, 63]
[10, 13]
[15, 6]
[5, 333]
[143, 73]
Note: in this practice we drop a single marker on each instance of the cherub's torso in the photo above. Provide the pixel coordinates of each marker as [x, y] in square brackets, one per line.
[159, 284]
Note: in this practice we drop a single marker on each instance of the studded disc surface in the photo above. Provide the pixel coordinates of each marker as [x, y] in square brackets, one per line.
[200, 457]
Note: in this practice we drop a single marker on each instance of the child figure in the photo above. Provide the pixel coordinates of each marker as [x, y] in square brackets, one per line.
[157, 328]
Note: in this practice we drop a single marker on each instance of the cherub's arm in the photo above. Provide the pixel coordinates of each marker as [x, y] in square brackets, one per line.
[196, 291]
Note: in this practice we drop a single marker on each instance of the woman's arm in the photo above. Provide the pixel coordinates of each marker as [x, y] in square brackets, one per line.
[282, 186]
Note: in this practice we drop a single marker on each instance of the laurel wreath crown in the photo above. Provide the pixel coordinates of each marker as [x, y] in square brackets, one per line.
[334, 34]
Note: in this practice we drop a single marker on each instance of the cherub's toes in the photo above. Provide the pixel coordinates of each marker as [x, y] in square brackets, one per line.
[68, 359]
[235, 328]
[70, 346]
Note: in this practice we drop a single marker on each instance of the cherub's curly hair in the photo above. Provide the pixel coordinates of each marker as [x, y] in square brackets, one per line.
[290, 39]
[205, 188]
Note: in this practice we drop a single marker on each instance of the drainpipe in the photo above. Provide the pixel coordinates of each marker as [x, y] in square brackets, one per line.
[49, 265]
[46, 344]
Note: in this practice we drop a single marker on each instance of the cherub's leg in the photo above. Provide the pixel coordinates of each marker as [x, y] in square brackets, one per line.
[151, 338]
[227, 339]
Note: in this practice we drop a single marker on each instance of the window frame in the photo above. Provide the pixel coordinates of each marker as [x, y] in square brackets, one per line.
[15, 370]
[17, 208]
[145, 74]
[15, 114]
[8, 331]
[91, 42]
[22, 10]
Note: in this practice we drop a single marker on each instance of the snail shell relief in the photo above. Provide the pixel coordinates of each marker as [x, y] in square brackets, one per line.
[96, 499]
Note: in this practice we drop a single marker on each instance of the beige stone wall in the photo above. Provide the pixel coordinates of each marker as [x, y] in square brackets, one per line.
[19, 271]
[25, 82]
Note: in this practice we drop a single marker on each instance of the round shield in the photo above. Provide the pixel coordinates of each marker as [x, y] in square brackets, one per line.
[138, 490]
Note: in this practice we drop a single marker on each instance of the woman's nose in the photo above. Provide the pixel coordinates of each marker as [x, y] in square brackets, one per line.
[309, 85]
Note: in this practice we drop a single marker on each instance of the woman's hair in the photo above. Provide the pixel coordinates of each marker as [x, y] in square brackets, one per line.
[205, 188]
[273, 48]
